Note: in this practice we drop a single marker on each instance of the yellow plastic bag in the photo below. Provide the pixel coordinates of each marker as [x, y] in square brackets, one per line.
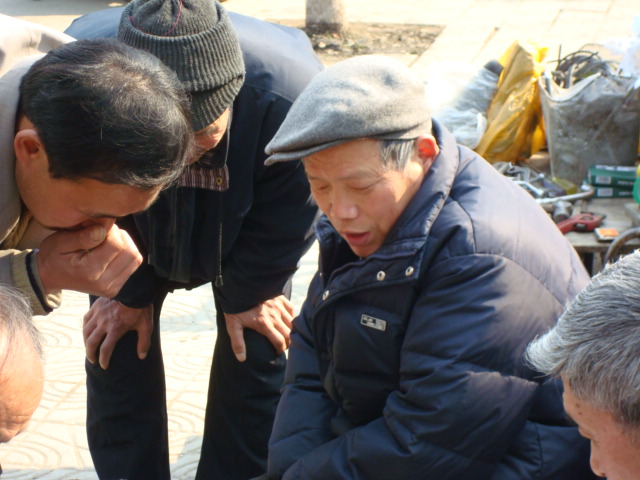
[514, 119]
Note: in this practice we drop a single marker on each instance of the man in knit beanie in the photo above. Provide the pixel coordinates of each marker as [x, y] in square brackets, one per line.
[230, 221]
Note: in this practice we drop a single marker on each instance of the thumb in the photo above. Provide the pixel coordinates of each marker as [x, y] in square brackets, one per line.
[91, 237]
[76, 240]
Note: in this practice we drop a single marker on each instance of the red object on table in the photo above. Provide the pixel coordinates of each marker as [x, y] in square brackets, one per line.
[582, 222]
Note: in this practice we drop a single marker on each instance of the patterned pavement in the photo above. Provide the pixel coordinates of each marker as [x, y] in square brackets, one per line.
[54, 447]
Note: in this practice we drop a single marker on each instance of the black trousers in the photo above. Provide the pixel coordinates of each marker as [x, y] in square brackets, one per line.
[127, 413]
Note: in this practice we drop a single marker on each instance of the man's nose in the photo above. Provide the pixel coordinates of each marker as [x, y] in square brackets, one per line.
[342, 207]
[206, 143]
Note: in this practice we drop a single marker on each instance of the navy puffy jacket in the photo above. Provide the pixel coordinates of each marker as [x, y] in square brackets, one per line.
[408, 364]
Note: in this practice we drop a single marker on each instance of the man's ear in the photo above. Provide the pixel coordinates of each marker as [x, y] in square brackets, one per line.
[427, 149]
[28, 148]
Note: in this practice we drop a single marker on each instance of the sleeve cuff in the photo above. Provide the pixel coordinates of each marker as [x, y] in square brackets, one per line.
[24, 269]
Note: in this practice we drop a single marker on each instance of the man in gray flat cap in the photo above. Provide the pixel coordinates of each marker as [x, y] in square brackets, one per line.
[435, 272]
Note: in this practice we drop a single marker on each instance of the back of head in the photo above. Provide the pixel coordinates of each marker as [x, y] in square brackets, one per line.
[15, 323]
[108, 112]
[595, 345]
[21, 369]
[367, 96]
[195, 39]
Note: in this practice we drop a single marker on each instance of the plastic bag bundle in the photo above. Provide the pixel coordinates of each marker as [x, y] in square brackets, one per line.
[465, 117]
[595, 121]
[629, 50]
[514, 119]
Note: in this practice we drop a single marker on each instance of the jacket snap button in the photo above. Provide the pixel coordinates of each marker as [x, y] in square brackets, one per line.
[380, 275]
[325, 295]
[409, 271]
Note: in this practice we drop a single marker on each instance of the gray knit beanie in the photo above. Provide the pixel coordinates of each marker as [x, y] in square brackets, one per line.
[368, 96]
[196, 40]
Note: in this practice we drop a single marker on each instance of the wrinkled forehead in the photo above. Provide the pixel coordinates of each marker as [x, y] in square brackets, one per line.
[21, 386]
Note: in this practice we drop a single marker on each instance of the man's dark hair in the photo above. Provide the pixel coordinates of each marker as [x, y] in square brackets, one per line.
[108, 112]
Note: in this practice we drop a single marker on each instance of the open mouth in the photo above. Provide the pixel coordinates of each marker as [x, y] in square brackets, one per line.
[356, 238]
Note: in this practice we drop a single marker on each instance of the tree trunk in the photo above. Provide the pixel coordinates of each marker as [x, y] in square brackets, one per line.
[326, 16]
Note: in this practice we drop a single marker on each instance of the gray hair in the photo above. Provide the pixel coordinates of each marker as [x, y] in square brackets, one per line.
[595, 346]
[16, 321]
[395, 154]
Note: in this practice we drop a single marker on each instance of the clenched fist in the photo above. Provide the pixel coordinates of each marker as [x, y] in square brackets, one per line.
[92, 260]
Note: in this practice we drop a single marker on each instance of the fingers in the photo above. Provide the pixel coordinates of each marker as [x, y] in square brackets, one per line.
[282, 311]
[106, 349]
[105, 324]
[236, 335]
[287, 313]
[91, 340]
[273, 319]
[144, 336]
[91, 332]
[85, 239]
[101, 270]
[113, 262]
[275, 325]
[278, 338]
[287, 304]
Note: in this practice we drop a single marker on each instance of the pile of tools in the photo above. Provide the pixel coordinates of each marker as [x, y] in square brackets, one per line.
[556, 197]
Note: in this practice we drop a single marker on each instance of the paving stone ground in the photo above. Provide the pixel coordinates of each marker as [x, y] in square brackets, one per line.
[54, 447]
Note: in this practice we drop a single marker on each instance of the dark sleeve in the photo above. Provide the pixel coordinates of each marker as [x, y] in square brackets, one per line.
[276, 231]
[458, 406]
[140, 289]
[100, 24]
[303, 417]
[277, 228]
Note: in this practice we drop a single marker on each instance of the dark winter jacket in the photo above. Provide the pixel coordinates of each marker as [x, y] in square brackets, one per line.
[266, 215]
[407, 364]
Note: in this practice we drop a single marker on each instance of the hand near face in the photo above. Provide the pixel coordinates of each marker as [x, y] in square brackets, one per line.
[93, 260]
[107, 321]
[272, 319]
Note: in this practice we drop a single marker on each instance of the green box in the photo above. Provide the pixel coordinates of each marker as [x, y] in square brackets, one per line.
[612, 176]
[612, 192]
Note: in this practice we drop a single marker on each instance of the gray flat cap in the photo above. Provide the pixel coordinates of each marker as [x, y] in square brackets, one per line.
[366, 96]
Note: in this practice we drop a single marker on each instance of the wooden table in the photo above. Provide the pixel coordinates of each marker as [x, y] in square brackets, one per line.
[592, 251]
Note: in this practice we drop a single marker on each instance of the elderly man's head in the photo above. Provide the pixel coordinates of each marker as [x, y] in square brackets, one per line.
[363, 130]
[595, 349]
[21, 372]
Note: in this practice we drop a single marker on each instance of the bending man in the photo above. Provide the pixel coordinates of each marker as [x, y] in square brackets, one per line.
[90, 132]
